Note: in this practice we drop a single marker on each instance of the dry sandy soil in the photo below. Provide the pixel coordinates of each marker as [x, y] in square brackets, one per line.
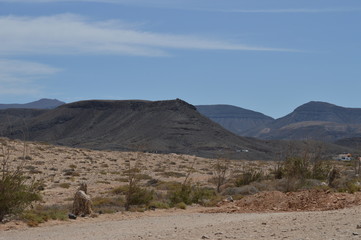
[337, 225]
[63, 168]
[270, 215]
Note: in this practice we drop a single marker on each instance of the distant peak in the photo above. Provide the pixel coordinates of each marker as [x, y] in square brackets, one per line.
[315, 105]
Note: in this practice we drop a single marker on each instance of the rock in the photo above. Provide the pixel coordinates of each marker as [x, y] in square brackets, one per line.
[229, 199]
[205, 237]
[82, 204]
[71, 216]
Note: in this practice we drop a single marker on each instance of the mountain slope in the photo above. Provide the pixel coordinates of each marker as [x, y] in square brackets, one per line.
[40, 104]
[314, 120]
[235, 119]
[161, 126]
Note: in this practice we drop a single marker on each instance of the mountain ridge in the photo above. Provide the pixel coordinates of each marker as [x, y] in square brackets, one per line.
[44, 103]
[313, 120]
[172, 126]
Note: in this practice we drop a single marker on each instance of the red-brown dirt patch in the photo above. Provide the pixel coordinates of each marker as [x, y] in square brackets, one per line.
[274, 201]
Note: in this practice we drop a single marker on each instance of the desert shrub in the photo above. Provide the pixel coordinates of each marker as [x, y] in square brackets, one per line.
[188, 194]
[72, 166]
[181, 193]
[173, 174]
[119, 190]
[321, 169]
[42, 214]
[181, 205]
[134, 195]
[220, 172]
[248, 177]
[137, 196]
[158, 204]
[347, 184]
[297, 167]
[17, 191]
[107, 204]
[64, 185]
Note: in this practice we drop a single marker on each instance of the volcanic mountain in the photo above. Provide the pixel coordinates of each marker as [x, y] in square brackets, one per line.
[43, 103]
[235, 119]
[161, 126]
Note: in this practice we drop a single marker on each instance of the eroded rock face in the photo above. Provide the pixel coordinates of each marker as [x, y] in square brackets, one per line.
[82, 205]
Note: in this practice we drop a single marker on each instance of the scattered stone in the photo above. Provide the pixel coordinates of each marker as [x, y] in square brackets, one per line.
[72, 216]
[229, 199]
[358, 226]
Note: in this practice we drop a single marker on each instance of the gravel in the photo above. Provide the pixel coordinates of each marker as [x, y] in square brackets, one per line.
[336, 224]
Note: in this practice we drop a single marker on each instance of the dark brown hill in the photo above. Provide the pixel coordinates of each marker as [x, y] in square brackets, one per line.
[9, 117]
[43, 103]
[161, 126]
[235, 119]
[354, 143]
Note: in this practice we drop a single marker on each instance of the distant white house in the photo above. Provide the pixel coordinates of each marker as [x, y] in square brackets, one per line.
[242, 150]
[344, 157]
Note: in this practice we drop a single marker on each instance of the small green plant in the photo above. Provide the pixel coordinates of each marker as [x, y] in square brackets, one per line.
[181, 205]
[16, 191]
[42, 214]
[158, 204]
[187, 192]
[134, 193]
[107, 205]
[249, 176]
[64, 185]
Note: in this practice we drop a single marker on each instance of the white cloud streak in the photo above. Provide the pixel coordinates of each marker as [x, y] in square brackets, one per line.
[72, 34]
[295, 10]
[189, 5]
[18, 77]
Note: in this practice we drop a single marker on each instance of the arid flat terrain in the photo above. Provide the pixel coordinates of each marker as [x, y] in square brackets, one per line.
[186, 224]
[265, 215]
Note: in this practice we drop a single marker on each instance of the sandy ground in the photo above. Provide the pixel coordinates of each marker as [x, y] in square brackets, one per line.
[337, 224]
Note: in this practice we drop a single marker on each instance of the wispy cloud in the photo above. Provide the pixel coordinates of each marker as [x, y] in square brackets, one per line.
[73, 34]
[200, 5]
[294, 10]
[19, 77]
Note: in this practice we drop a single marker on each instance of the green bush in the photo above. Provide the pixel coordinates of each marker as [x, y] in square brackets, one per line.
[42, 214]
[16, 193]
[249, 176]
[158, 204]
[181, 205]
[138, 196]
[107, 205]
[188, 194]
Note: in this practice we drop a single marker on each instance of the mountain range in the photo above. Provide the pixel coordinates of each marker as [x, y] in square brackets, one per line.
[314, 120]
[175, 126]
[172, 126]
[43, 103]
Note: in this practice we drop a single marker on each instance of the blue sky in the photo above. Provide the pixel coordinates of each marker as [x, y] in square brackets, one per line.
[266, 55]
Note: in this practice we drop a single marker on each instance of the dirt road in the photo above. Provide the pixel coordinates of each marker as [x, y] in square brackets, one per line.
[338, 224]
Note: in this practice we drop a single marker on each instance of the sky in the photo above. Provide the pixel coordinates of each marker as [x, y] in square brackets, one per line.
[269, 56]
